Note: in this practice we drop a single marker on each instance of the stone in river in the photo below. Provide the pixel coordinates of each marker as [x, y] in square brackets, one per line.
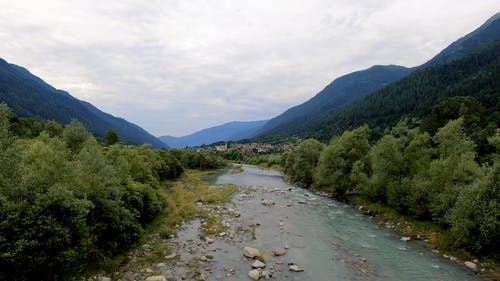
[254, 274]
[258, 264]
[471, 265]
[295, 268]
[171, 256]
[405, 239]
[156, 278]
[267, 202]
[279, 251]
[250, 252]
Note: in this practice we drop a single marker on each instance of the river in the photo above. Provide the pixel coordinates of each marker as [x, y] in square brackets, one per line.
[328, 239]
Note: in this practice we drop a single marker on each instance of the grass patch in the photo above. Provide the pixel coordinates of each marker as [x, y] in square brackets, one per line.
[182, 199]
[253, 232]
[236, 169]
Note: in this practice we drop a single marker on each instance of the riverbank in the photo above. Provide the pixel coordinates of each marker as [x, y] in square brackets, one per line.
[322, 236]
[157, 255]
[434, 236]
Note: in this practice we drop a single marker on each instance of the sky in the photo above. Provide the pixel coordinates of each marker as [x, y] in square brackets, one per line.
[176, 67]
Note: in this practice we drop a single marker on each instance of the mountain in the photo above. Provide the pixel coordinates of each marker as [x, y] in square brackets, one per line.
[316, 113]
[340, 92]
[231, 131]
[475, 75]
[29, 96]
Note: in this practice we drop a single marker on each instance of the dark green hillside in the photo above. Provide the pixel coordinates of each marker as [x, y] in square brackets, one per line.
[476, 75]
[317, 113]
[29, 96]
[340, 92]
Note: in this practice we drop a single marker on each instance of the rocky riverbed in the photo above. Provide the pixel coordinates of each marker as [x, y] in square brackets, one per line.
[273, 230]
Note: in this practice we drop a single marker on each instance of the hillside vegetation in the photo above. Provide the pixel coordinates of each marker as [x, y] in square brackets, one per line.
[67, 201]
[29, 96]
[446, 170]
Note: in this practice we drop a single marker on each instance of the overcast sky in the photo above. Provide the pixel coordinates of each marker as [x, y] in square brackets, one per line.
[175, 67]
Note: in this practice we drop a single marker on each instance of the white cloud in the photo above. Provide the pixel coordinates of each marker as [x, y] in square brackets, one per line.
[174, 67]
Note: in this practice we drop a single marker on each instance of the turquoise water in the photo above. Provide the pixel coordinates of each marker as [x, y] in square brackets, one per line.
[329, 239]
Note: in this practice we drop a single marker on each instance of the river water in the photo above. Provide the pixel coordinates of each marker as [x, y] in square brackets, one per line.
[328, 239]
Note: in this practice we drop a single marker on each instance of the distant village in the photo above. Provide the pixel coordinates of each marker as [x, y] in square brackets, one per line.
[251, 147]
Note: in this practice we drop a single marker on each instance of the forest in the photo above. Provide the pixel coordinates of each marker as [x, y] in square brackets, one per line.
[413, 97]
[444, 169]
[68, 200]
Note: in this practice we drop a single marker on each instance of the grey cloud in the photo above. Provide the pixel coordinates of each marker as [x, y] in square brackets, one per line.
[174, 67]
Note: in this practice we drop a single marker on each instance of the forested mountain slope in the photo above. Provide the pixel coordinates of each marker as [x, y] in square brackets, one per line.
[29, 96]
[305, 119]
[476, 75]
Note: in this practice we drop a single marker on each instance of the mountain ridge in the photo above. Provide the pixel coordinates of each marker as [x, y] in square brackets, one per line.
[231, 131]
[29, 96]
[292, 123]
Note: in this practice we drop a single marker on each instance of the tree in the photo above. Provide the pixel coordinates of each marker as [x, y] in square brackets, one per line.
[338, 158]
[305, 159]
[454, 171]
[111, 137]
[75, 134]
[6, 137]
[475, 219]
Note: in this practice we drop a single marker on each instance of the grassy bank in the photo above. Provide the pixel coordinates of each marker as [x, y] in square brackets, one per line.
[184, 199]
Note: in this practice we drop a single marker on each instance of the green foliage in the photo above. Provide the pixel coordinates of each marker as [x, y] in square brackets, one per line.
[66, 201]
[475, 219]
[301, 163]
[336, 163]
[436, 178]
[75, 134]
[111, 137]
[201, 160]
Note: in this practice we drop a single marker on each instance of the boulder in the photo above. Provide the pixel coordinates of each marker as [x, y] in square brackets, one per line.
[171, 256]
[258, 264]
[250, 252]
[295, 268]
[279, 251]
[156, 278]
[266, 274]
[405, 239]
[471, 265]
[267, 202]
[254, 274]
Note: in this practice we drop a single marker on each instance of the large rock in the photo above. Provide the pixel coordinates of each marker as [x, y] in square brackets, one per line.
[279, 251]
[471, 265]
[250, 252]
[258, 264]
[295, 268]
[254, 274]
[156, 278]
[267, 202]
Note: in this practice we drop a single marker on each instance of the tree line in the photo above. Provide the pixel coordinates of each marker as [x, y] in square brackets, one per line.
[444, 169]
[67, 200]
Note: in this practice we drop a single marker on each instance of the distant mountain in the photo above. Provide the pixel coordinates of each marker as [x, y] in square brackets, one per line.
[231, 131]
[316, 113]
[470, 43]
[30, 96]
[340, 92]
